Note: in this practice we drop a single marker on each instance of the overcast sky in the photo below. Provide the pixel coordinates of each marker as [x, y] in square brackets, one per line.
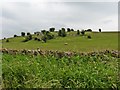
[33, 16]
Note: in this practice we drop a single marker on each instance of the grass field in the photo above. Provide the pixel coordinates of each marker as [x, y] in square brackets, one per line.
[99, 41]
[23, 71]
[49, 71]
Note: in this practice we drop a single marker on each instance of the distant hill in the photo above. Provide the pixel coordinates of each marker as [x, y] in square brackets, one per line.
[72, 42]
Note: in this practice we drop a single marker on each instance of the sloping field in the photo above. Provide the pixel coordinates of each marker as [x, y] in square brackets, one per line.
[99, 41]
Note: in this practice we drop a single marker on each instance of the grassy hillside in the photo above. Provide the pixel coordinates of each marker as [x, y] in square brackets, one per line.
[99, 41]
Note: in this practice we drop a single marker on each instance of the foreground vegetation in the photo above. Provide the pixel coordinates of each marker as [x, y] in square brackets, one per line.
[79, 71]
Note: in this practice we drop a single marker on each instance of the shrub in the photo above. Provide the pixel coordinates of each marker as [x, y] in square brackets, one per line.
[78, 32]
[44, 38]
[89, 30]
[23, 34]
[38, 39]
[37, 33]
[89, 37]
[63, 29]
[43, 31]
[83, 32]
[7, 40]
[72, 29]
[68, 30]
[47, 32]
[35, 38]
[29, 37]
[59, 33]
[62, 33]
[99, 30]
[28, 33]
[52, 29]
[15, 35]
[50, 36]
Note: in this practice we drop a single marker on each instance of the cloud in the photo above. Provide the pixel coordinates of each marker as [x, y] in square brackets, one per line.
[34, 16]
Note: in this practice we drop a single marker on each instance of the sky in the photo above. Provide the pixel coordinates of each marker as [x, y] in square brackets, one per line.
[33, 15]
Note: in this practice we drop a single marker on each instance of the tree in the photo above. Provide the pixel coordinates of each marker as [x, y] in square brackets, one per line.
[59, 33]
[89, 37]
[38, 39]
[63, 29]
[28, 33]
[43, 31]
[52, 29]
[89, 30]
[83, 32]
[63, 33]
[68, 30]
[44, 38]
[99, 30]
[72, 29]
[50, 36]
[7, 40]
[23, 34]
[78, 32]
[15, 35]
[47, 32]
[35, 38]
[29, 37]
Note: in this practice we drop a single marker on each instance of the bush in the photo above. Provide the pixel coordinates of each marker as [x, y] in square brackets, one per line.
[99, 30]
[68, 30]
[83, 32]
[63, 29]
[44, 38]
[50, 36]
[7, 40]
[29, 37]
[23, 34]
[72, 29]
[62, 33]
[35, 38]
[59, 33]
[28, 33]
[52, 29]
[38, 39]
[89, 37]
[15, 35]
[78, 32]
[89, 30]
[47, 32]
[43, 31]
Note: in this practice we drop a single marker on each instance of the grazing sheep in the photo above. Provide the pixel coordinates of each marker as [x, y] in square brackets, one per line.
[65, 43]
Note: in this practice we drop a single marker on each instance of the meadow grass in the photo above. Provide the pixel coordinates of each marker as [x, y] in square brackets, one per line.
[23, 71]
[99, 41]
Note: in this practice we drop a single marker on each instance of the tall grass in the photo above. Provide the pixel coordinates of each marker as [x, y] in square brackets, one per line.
[23, 71]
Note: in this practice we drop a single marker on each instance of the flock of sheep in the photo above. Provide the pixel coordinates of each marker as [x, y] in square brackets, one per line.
[59, 54]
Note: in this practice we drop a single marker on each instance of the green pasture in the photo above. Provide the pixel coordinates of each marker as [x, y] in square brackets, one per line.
[99, 41]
